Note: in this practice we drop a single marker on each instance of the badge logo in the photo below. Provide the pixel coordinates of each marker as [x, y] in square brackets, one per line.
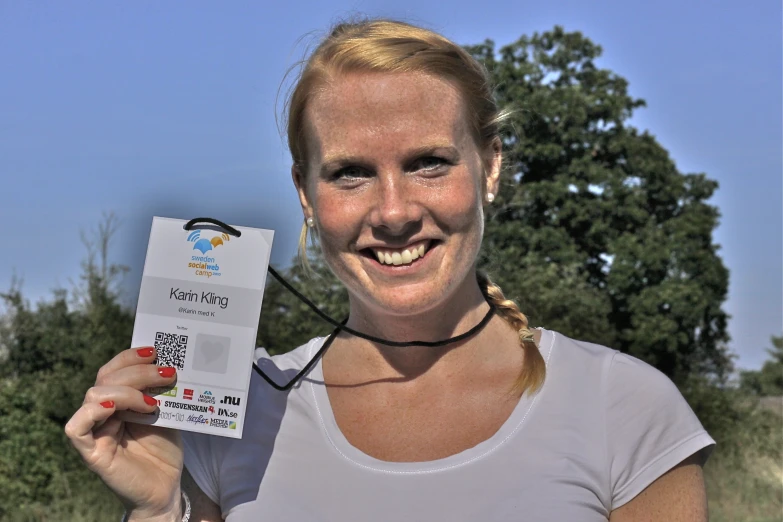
[207, 397]
[218, 423]
[229, 400]
[198, 419]
[168, 392]
[225, 413]
[204, 245]
[205, 265]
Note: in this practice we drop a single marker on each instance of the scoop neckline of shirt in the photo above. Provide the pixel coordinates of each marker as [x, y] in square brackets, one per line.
[357, 457]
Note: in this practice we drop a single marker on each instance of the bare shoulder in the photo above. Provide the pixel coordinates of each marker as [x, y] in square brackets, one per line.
[676, 496]
[202, 508]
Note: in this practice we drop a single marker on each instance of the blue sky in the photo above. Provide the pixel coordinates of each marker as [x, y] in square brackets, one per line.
[168, 108]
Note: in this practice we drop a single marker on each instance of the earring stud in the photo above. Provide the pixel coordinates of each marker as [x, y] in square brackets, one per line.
[310, 222]
[490, 197]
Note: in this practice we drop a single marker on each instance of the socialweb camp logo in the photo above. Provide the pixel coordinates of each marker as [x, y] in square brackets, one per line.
[204, 245]
[204, 265]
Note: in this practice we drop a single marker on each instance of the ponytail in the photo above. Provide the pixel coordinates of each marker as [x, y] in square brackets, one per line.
[534, 370]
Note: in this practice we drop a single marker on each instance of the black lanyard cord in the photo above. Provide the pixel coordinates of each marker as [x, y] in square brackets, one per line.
[304, 370]
[341, 327]
[379, 340]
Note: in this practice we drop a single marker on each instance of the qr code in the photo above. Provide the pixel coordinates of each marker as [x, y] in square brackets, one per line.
[171, 349]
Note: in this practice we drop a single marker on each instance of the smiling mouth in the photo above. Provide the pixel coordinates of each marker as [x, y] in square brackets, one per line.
[400, 256]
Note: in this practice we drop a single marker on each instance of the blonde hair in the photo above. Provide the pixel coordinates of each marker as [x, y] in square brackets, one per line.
[534, 370]
[388, 46]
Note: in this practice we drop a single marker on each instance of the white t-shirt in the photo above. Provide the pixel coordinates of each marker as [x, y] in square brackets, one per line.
[601, 429]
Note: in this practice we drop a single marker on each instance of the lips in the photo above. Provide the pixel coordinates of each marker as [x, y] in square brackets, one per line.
[401, 256]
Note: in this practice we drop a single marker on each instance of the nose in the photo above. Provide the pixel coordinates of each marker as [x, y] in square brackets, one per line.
[395, 208]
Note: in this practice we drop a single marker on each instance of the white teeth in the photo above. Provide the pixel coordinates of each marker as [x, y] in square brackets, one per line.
[404, 257]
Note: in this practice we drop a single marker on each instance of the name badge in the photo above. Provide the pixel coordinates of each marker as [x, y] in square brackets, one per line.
[199, 306]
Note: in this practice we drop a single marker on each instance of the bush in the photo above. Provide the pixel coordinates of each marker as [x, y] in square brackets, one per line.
[744, 476]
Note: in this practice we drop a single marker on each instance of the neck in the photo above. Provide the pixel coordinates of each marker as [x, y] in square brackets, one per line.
[464, 312]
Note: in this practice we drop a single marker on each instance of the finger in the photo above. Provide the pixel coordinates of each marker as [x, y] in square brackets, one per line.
[140, 376]
[110, 428]
[122, 397]
[130, 357]
[79, 427]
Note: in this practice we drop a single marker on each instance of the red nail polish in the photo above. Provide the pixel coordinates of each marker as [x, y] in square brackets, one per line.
[150, 400]
[144, 352]
[108, 404]
[166, 372]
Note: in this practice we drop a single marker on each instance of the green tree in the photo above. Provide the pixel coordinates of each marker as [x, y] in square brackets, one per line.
[595, 231]
[49, 356]
[769, 380]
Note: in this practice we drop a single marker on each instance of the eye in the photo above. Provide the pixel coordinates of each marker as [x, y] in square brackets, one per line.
[429, 164]
[349, 173]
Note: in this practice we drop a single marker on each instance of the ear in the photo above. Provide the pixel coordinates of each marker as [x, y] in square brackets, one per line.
[493, 164]
[301, 188]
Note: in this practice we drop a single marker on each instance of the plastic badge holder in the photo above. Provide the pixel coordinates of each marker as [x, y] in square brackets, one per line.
[199, 305]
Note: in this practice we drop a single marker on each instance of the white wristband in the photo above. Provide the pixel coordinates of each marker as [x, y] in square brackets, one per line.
[185, 513]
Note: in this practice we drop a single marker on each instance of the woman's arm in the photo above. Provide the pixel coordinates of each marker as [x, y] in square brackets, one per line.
[202, 508]
[677, 496]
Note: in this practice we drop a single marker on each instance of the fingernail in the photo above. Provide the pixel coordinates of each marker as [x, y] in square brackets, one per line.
[108, 404]
[150, 400]
[166, 372]
[144, 352]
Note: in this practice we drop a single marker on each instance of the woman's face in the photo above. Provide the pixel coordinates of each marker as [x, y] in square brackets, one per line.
[395, 184]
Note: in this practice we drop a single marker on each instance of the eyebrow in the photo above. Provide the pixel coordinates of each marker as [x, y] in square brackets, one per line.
[337, 161]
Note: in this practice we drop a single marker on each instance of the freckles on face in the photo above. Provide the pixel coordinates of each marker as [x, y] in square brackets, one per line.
[391, 161]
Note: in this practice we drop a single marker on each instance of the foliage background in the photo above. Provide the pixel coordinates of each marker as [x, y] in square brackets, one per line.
[595, 232]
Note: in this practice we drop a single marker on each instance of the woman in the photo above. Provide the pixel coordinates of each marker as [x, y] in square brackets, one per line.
[396, 151]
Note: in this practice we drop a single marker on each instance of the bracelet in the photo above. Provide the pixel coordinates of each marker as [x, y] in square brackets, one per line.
[185, 514]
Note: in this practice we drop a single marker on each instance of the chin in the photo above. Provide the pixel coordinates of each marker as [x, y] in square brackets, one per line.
[405, 302]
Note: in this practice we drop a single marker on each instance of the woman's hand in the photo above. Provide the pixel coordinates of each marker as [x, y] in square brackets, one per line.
[142, 464]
